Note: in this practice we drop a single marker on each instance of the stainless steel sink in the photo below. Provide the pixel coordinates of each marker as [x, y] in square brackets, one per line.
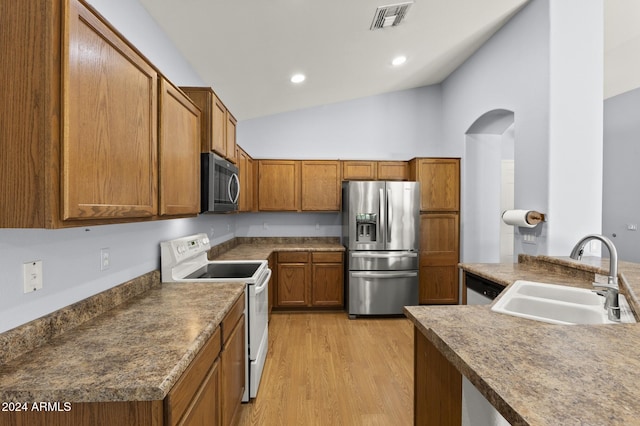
[555, 304]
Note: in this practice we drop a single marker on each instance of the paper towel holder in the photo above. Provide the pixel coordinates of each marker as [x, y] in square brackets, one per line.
[524, 218]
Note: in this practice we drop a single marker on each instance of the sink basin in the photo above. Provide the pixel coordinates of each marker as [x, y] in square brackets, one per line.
[556, 304]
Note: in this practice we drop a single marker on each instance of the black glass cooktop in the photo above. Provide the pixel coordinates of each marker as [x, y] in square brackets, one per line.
[225, 270]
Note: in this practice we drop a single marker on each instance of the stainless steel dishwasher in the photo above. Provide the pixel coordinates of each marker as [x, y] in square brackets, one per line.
[476, 410]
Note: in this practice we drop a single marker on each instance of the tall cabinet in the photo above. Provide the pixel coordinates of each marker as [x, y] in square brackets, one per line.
[439, 227]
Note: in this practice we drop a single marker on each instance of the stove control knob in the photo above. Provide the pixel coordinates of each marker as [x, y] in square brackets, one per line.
[205, 240]
[181, 249]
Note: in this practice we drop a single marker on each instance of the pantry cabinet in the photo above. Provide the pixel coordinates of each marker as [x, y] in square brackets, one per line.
[439, 257]
[310, 280]
[79, 122]
[218, 133]
[179, 153]
[439, 228]
[439, 183]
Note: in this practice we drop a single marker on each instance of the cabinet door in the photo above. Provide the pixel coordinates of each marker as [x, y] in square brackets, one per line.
[230, 137]
[179, 152]
[439, 256]
[218, 127]
[439, 183]
[232, 359]
[321, 185]
[359, 170]
[293, 279]
[327, 282]
[393, 170]
[205, 409]
[109, 121]
[245, 169]
[437, 386]
[279, 185]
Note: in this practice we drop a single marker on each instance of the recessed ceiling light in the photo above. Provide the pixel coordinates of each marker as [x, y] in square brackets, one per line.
[398, 60]
[298, 78]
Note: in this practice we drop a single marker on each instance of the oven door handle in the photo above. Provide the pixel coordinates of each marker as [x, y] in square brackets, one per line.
[264, 282]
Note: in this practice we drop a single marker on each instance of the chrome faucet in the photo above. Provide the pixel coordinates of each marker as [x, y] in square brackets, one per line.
[612, 303]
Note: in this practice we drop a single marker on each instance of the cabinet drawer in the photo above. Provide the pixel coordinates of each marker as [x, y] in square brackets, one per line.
[230, 320]
[326, 256]
[293, 256]
[182, 393]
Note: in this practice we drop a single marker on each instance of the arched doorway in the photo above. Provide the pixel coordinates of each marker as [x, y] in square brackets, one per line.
[489, 179]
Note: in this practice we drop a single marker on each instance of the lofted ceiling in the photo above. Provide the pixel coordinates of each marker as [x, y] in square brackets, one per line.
[247, 50]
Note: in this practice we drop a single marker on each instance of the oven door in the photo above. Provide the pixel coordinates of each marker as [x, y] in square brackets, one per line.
[258, 330]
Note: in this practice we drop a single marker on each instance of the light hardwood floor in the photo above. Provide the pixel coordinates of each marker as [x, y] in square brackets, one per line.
[324, 369]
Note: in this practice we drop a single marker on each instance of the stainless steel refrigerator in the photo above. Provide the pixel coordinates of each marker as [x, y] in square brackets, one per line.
[381, 232]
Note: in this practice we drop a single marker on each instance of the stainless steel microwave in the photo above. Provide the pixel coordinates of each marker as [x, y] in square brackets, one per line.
[220, 185]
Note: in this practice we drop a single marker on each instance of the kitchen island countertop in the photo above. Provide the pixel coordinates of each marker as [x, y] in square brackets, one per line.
[536, 373]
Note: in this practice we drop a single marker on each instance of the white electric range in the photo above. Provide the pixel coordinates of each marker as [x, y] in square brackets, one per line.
[185, 260]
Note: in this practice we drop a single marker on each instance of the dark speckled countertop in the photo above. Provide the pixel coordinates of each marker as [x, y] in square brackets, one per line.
[543, 374]
[135, 351]
[131, 342]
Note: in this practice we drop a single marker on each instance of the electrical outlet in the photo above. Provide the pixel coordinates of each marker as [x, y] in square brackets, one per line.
[529, 239]
[32, 276]
[105, 259]
[632, 226]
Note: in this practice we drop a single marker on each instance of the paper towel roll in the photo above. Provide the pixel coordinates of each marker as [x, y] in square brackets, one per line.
[524, 218]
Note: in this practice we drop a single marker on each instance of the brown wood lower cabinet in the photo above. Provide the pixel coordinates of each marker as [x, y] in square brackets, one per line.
[196, 395]
[309, 280]
[437, 386]
[232, 360]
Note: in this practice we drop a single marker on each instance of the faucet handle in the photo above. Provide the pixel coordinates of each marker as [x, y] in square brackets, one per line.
[606, 285]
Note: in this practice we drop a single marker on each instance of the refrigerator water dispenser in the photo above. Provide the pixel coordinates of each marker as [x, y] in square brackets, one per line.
[366, 225]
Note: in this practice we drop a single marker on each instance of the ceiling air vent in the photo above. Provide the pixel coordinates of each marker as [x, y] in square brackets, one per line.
[390, 15]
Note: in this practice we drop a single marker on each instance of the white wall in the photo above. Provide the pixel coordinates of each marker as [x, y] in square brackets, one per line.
[394, 126]
[621, 203]
[545, 65]
[71, 259]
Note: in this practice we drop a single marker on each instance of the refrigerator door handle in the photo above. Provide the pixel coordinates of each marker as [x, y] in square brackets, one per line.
[384, 255]
[389, 215]
[379, 275]
[382, 212]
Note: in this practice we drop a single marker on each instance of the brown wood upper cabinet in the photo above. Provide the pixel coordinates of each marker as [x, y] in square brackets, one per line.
[439, 183]
[218, 124]
[392, 170]
[278, 185]
[294, 185]
[179, 135]
[359, 170]
[321, 190]
[79, 122]
[245, 172]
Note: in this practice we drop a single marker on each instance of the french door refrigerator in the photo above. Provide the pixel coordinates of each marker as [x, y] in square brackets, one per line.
[381, 232]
